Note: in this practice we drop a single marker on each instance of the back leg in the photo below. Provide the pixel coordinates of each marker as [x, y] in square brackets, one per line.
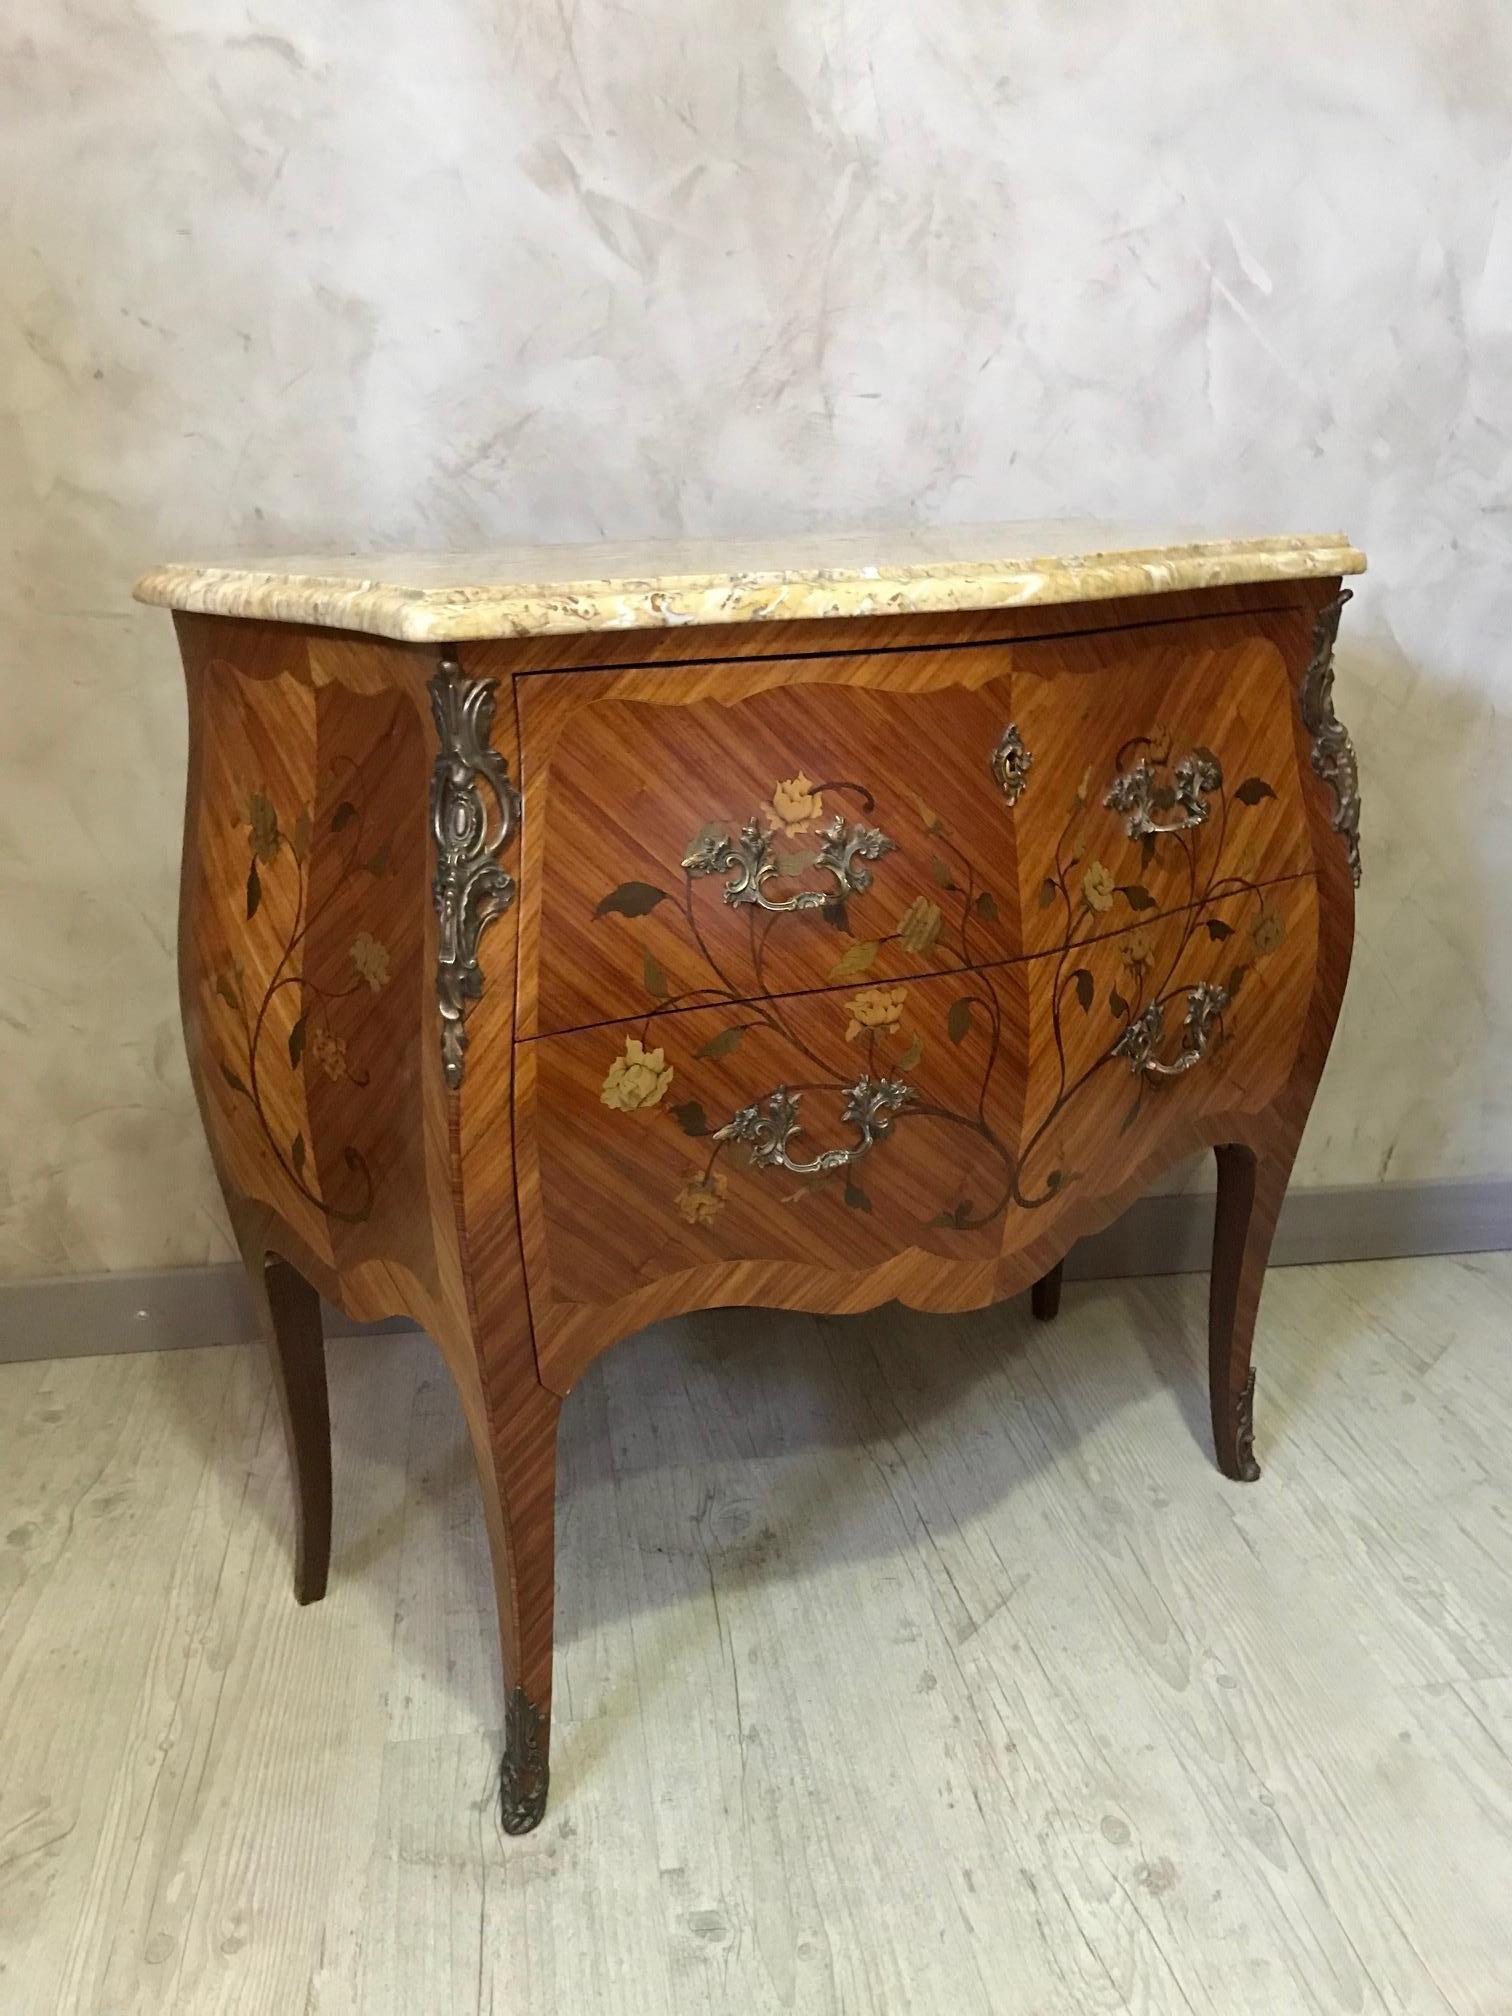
[1044, 1296]
[288, 1311]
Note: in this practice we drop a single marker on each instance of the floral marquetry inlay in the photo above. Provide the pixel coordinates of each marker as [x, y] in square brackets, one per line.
[326, 1016]
[1168, 802]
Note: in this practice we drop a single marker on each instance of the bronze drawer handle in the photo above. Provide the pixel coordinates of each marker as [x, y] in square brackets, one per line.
[1136, 793]
[748, 858]
[767, 1127]
[1205, 1006]
[1011, 763]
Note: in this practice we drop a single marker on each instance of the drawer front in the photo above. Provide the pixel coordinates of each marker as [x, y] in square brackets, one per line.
[754, 830]
[911, 1136]
[1161, 774]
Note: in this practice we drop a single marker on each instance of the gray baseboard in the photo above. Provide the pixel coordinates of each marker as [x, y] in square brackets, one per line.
[171, 1308]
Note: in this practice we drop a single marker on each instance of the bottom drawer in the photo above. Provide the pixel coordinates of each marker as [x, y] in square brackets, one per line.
[908, 1137]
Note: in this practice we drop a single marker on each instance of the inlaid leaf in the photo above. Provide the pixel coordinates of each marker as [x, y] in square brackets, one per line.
[928, 818]
[1252, 790]
[711, 829]
[1136, 896]
[940, 872]
[855, 960]
[1218, 930]
[1082, 980]
[254, 891]
[301, 841]
[262, 823]
[1146, 849]
[352, 1159]
[344, 814]
[1118, 1008]
[1054, 1180]
[856, 1197]
[690, 1116]
[226, 990]
[297, 1153]
[1133, 1113]
[1236, 981]
[836, 915]
[722, 1044]
[232, 1080]
[956, 1218]
[378, 865]
[297, 1042]
[652, 974]
[631, 899]
[1049, 890]
[912, 1056]
[986, 906]
[958, 1021]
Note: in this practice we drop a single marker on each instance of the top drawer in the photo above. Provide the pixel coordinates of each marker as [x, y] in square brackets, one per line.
[727, 832]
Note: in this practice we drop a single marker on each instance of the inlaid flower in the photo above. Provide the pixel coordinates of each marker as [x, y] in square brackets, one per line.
[262, 827]
[637, 1079]
[875, 1009]
[329, 1052]
[795, 805]
[1097, 886]
[702, 1196]
[1267, 930]
[370, 957]
[1139, 949]
[1158, 743]
[919, 926]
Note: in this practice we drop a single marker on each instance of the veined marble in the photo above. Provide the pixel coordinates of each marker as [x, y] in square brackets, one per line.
[524, 591]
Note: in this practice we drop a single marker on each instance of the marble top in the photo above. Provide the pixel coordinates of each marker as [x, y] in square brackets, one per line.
[524, 591]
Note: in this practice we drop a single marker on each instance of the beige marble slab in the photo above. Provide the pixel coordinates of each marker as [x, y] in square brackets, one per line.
[523, 591]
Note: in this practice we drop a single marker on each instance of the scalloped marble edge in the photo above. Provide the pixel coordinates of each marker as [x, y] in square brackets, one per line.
[456, 612]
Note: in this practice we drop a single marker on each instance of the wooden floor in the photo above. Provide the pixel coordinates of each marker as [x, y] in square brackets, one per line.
[904, 1664]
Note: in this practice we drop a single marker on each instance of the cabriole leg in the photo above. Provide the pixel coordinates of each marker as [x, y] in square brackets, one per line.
[1250, 1190]
[514, 1445]
[288, 1311]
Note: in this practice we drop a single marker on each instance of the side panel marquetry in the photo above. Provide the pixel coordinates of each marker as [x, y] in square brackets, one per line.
[305, 979]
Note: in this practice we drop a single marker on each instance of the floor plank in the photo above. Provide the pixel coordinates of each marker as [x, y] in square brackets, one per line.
[903, 1662]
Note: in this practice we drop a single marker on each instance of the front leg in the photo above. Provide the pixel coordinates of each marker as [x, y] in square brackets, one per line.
[514, 1447]
[1251, 1188]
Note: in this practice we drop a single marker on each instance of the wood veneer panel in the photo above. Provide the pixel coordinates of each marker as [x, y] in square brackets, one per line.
[303, 968]
[1022, 1125]
[624, 769]
[1222, 689]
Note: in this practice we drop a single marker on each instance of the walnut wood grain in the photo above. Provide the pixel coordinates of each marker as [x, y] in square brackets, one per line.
[566, 1194]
